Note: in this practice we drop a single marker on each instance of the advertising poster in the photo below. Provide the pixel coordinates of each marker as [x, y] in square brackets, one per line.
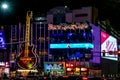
[108, 47]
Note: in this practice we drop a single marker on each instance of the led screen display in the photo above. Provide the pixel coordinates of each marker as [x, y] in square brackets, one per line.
[71, 45]
[108, 46]
[54, 67]
[2, 40]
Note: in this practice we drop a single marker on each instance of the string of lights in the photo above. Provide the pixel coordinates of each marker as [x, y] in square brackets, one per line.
[14, 43]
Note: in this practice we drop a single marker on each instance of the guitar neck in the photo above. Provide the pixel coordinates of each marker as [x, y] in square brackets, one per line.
[27, 34]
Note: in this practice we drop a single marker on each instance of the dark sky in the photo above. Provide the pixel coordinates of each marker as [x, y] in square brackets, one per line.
[108, 9]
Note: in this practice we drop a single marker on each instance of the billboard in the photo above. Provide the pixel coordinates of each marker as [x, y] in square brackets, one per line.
[108, 46]
[54, 67]
[2, 40]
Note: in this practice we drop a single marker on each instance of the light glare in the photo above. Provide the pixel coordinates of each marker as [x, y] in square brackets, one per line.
[4, 6]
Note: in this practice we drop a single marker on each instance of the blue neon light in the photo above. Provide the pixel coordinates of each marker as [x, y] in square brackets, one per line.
[2, 40]
[71, 45]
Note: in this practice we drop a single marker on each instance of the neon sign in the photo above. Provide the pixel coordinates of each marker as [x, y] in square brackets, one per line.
[71, 45]
[2, 40]
[65, 27]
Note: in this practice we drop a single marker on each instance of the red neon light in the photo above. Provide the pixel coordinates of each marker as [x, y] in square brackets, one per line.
[119, 52]
[84, 78]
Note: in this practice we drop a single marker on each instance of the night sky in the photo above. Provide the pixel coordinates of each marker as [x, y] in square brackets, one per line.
[108, 9]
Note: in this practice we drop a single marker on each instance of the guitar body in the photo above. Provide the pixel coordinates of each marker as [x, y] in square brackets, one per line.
[30, 61]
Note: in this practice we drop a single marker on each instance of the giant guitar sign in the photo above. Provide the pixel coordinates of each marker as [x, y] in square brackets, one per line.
[28, 58]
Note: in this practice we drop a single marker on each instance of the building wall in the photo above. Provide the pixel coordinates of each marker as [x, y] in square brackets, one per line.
[89, 14]
[50, 18]
[69, 17]
[82, 15]
[109, 67]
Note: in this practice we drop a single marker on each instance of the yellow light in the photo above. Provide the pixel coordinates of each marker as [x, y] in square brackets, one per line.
[66, 65]
[77, 69]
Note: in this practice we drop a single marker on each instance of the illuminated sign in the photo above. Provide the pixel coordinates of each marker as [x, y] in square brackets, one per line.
[69, 69]
[2, 63]
[27, 70]
[65, 27]
[5, 64]
[54, 66]
[71, 45]
[108, 46]
[2, 40]
[84, 69]
[77, 64]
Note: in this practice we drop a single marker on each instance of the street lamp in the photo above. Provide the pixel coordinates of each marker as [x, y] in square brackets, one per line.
[4, 6]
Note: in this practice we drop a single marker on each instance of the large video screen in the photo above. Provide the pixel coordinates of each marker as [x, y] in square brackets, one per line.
[108, 46]
[2, 40]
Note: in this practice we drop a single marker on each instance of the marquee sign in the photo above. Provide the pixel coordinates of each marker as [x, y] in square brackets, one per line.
[65, 27]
